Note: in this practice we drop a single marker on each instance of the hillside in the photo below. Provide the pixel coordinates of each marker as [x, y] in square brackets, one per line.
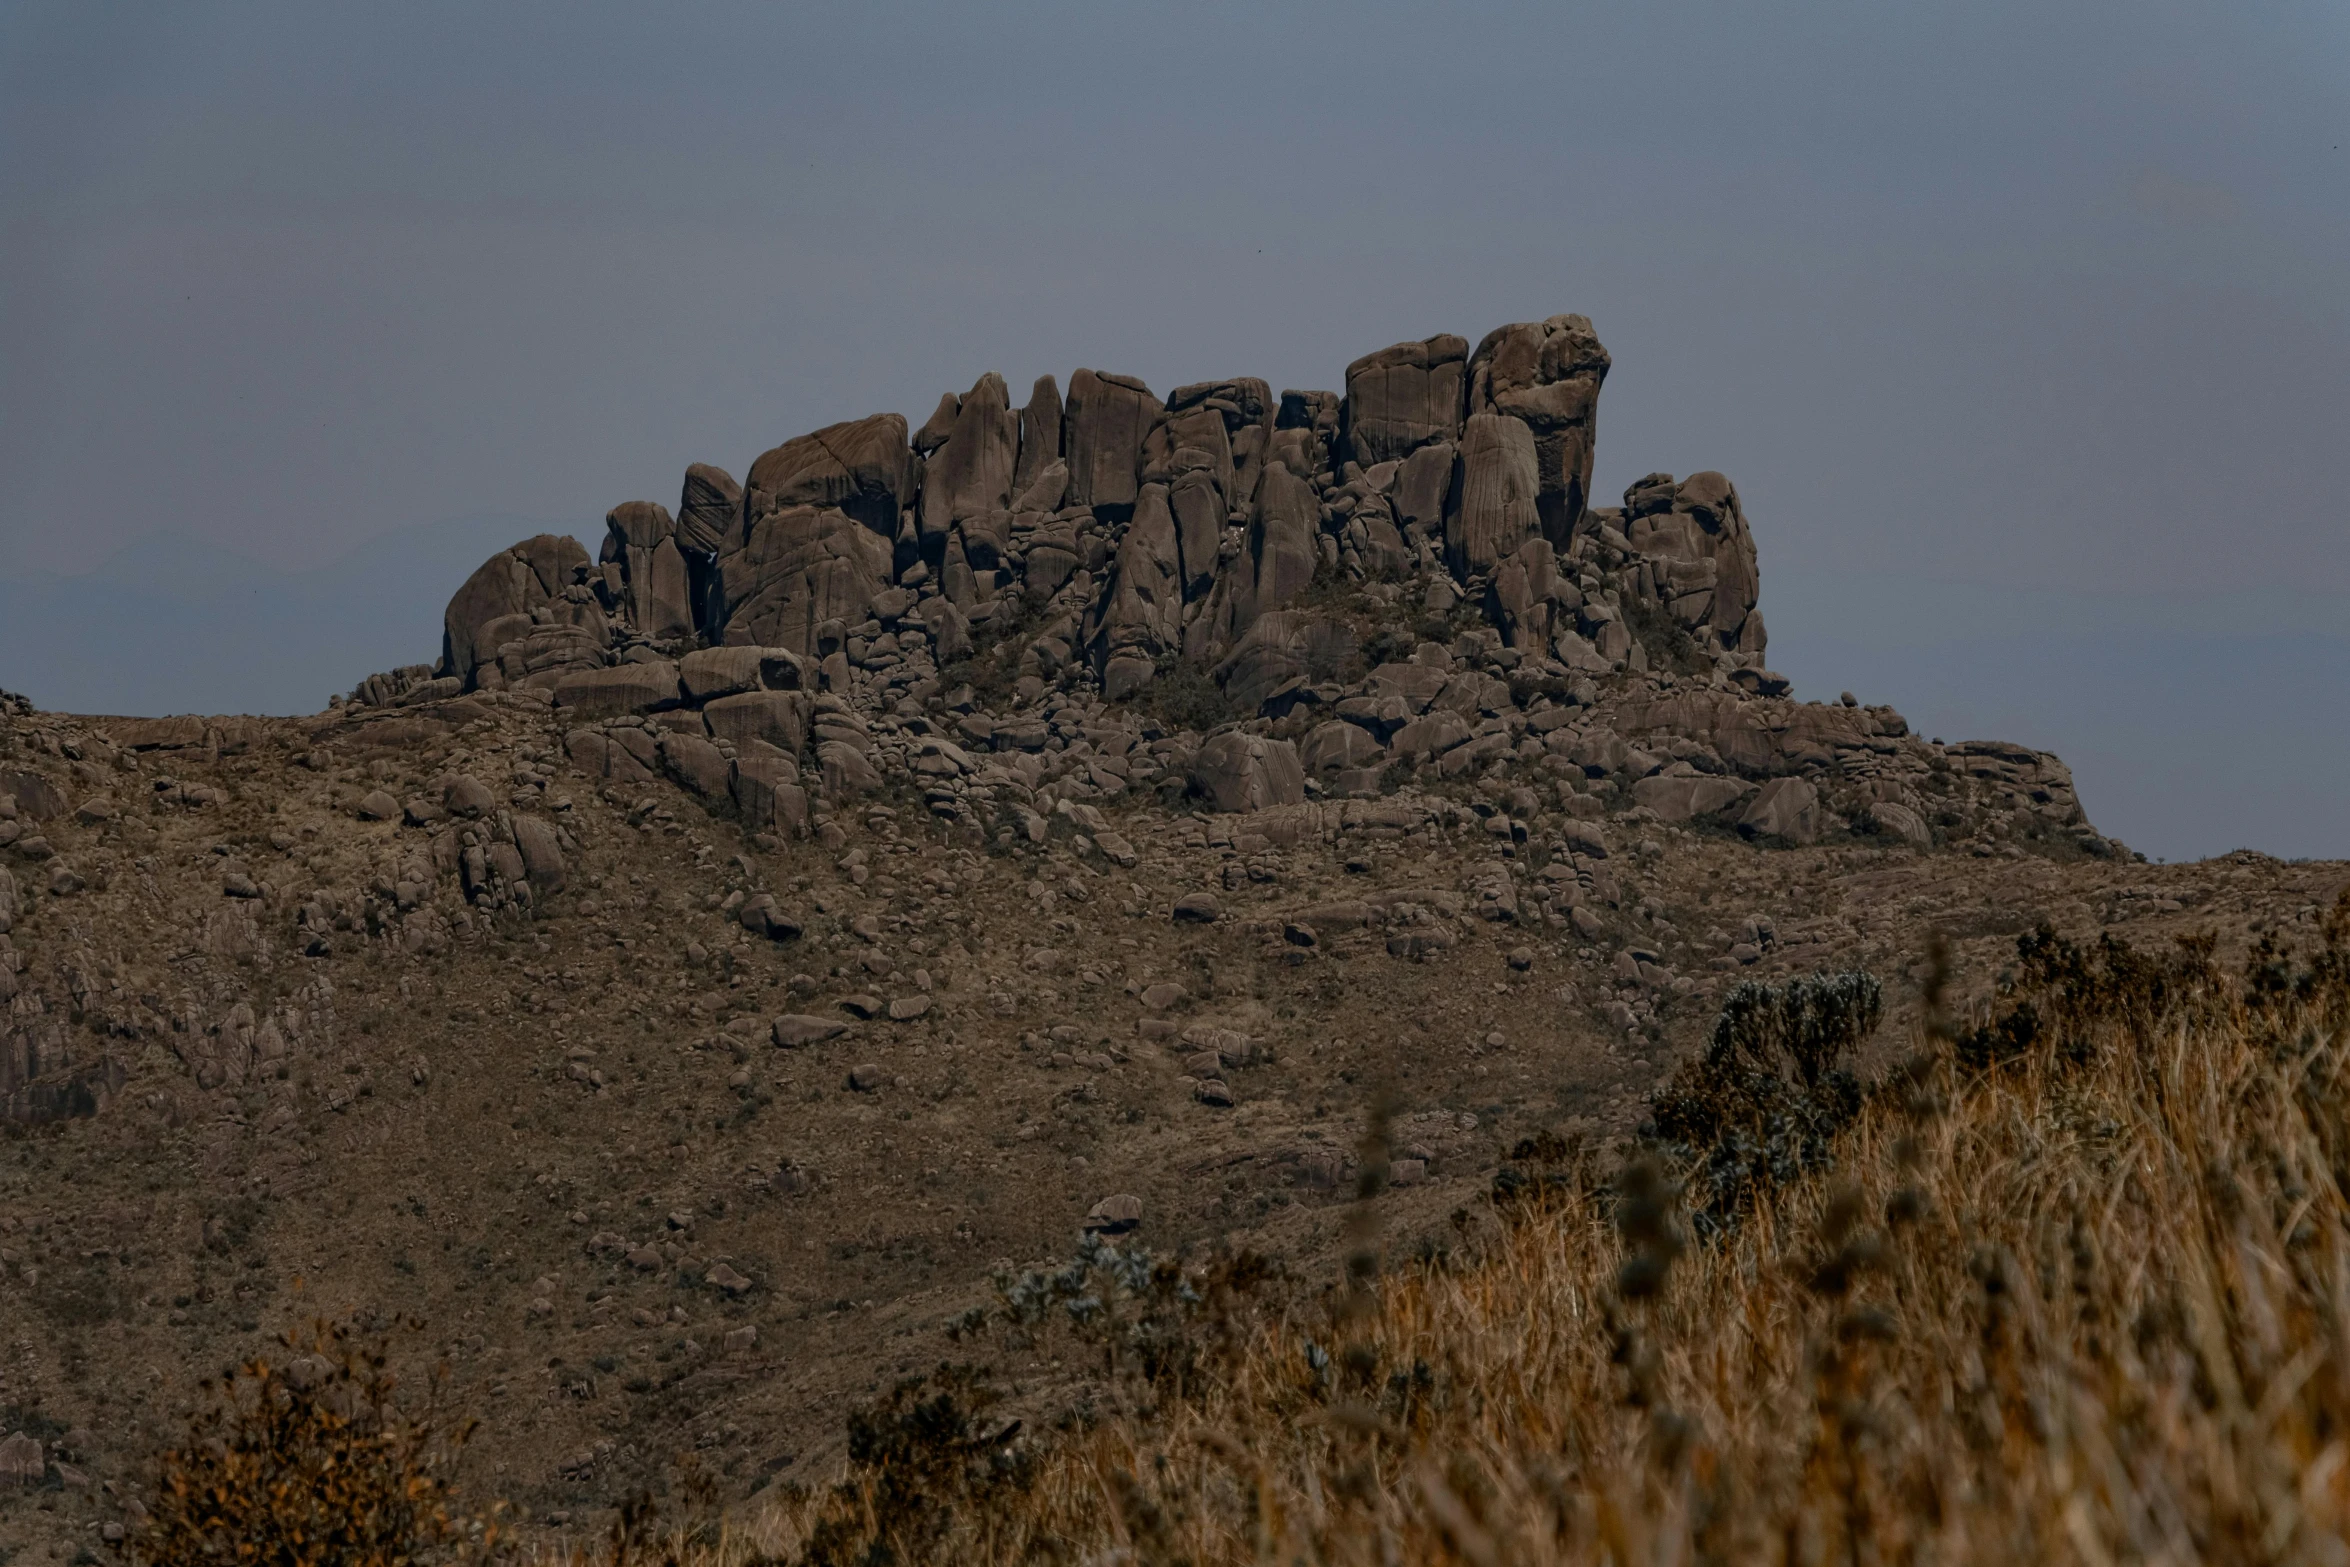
[684, 994]
[2062, 1289]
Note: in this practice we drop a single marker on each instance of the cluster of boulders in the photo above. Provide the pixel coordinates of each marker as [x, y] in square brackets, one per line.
[1404, 580]
[1116, 532]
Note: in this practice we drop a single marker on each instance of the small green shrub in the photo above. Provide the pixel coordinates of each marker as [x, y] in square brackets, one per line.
[1183, 694]
[1764, 1102]
[1669, 645]
[919, 1456]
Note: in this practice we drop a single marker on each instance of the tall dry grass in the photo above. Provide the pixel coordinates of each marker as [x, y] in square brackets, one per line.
[2070, 1286]
[2074, 1290]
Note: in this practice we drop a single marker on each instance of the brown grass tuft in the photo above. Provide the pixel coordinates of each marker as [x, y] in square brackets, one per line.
[310, 1460]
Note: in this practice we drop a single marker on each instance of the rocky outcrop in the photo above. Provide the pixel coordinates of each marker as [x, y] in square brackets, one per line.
[645, 572]
[1499, 483]
[863, 469]
[1040, 433]
[1401, 398]
[1102, 431]
[1696, 557]
[969, 474]
[821, 632]
[709, 510]
[1547, 375]
[976, 805]
[527, 616]
[801, 576]
[1141, 619]
[1276, 561]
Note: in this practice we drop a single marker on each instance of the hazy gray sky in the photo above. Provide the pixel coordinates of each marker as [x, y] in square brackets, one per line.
[2023, 328]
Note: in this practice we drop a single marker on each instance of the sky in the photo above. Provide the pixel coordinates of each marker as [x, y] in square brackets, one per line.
[2023, 328]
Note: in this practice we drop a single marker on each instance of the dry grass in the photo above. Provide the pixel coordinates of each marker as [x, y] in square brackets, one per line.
[2073, 1291]
[2071, 1286]
[311, 1460]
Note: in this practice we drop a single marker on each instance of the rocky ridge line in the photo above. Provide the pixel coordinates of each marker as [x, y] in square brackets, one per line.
[1262, 600]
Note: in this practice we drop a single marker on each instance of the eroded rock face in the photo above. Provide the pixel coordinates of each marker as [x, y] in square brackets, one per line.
[1219, 435]
[1040, 433]
[1103, 429]
[969, 475]
[709, 515]
[1700, 557]
[1547, 375]
[644, 570]
[863, 469]
[800, 570]
[1142, 618]
[1276, 563]
[708, 509]
[1499, 487]
[1529, 599]
[1401, 398]
[540, 585]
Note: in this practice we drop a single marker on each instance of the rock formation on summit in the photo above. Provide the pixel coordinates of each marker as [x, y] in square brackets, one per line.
[1160, 529]
[1407, 578]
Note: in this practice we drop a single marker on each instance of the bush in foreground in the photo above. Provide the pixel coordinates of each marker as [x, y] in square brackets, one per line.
[309, 1460]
